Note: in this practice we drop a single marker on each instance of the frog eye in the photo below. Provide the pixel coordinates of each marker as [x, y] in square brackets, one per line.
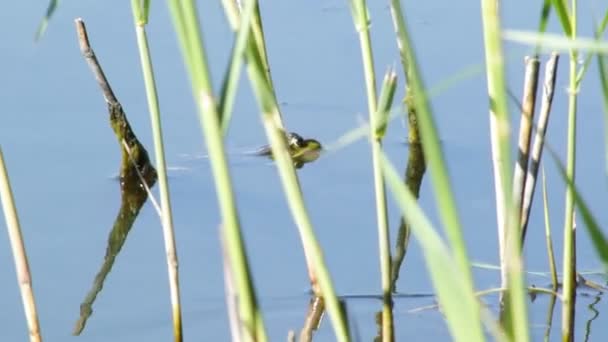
[295, 139]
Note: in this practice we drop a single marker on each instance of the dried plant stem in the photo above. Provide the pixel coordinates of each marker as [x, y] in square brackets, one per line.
[525, 130]
[539, 139]
[24, 277]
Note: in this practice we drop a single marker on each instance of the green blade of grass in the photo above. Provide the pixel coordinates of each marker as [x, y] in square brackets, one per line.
[186, 24]
[600, 242]
[387, 93]
[554, 42]
[455, 295]
[293, 192]
[140, 18]
[231, 79]
[598, 34]
[44, 23]
[548, 240]
[507, 214]
[563, 13]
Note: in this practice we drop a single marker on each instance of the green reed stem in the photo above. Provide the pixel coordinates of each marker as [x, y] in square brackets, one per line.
[548, 238]
[234, 9]
[506, 212]
[141, 18]
[293, 192]
[361, 21]
[441, 185]
[186, 23]
[24, 277]
[454, 293]
[378, 129]
[569, 261]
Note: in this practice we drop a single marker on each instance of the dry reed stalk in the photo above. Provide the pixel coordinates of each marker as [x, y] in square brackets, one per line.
[525, 129]
[539, 140]
[24, 277]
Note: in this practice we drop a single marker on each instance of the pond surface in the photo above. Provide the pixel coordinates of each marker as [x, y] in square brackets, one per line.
[62, 158]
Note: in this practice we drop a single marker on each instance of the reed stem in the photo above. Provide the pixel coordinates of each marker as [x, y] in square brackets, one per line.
[24, 277]
[140, 20]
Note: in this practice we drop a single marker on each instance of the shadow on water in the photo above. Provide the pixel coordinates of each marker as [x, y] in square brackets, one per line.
[135, 168]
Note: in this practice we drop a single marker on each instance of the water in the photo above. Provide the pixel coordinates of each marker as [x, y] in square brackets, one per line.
[62, 156]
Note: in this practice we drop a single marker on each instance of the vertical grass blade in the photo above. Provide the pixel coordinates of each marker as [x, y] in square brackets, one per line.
[140, 18]
[185, 20]
[44, 23]
[455, 295]
[569, 249]
[599, 240]
[235, 10]
[22, 267]
[293, 192]
[551, 256]
[444, 196]
[378, 128]
[506, 213]
[377, 120]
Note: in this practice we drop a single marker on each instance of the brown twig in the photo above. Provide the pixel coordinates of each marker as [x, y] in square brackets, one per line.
[89, 55]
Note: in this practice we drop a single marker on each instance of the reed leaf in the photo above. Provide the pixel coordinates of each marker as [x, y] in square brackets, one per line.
[599, 240]
[186, 24]
[507, 215]
[456, 297]
[564, 15]
[44, 23]
[292, 189]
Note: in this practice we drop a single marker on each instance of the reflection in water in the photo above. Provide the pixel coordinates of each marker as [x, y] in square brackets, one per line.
[595, 315]
[414, 172]
[550, 317]
[135, 167]
[133, 196]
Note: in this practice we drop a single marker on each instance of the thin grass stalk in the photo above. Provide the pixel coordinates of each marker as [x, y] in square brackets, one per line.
[184, 15]
[298, 209]
[455, 295]
[24, 277]
[569, 261]
[441, 184]
[293, 192]
[378, 129]
[140, 19]
[603, 74]
[432, 151]
[525, 130]
[539, 139]
[230, 293]
[599, 240]
[548, 239]
[238, 21]
[506, 212]
[362, 21]
[234, 10]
